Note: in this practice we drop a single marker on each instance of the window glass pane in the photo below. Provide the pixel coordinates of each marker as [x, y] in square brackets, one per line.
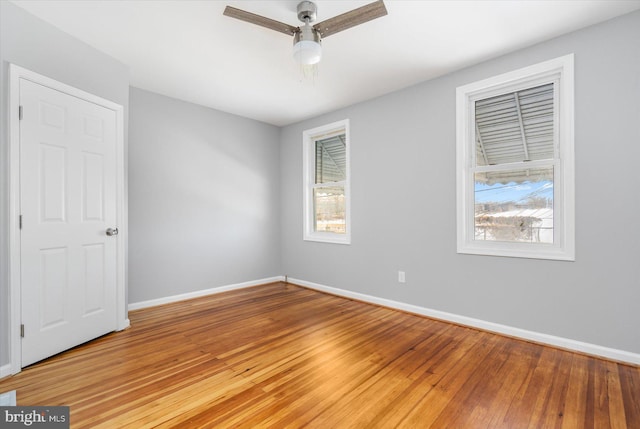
[328, 209]
[331, 159]
[514, 205]
[515, 127]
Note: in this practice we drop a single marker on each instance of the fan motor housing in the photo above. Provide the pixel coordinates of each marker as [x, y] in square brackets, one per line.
[307, 33]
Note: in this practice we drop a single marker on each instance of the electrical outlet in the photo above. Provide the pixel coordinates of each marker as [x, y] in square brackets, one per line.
[401, 277]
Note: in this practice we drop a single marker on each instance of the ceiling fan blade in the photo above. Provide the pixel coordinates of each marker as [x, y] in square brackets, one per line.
[351, 19]
[260, 20]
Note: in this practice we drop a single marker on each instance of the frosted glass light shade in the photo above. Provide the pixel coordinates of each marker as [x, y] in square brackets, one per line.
[307, 52]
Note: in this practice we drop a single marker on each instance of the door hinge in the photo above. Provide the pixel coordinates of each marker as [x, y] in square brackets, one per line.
[21, 331]
[20, 221]
[20, 113]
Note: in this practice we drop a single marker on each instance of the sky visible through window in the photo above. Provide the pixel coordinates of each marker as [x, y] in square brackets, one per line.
[515, 211]
[513, 191]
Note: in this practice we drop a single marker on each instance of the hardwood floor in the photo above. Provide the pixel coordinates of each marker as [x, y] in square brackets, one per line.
[283, 356]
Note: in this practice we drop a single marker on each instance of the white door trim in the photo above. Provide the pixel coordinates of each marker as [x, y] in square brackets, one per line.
[15, 74]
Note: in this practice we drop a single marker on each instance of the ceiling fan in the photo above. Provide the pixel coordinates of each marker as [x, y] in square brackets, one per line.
[307, 38]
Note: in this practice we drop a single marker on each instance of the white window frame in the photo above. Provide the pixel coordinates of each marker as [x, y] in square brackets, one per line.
[309, 137]
[560, 71]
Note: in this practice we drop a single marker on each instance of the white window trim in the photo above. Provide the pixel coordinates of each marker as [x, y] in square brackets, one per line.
[560, 71]
[308, 153]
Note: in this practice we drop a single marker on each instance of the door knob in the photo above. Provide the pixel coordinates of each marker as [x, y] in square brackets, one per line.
[112, 231]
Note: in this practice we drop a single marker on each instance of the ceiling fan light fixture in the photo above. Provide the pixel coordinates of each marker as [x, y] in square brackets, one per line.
[307, 47]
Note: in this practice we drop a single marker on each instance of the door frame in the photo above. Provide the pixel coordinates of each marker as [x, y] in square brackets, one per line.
[15, 286]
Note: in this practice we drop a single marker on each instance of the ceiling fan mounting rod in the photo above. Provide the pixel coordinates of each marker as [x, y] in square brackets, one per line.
[307, 11]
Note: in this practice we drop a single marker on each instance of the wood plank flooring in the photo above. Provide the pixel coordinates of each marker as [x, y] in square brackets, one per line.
[280, 356]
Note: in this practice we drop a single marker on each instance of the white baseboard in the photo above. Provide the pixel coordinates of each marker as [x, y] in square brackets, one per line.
[199, 293]
[5, 370]
[564, 343]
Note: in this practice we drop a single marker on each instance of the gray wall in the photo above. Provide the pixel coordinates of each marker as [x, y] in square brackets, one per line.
[33, 44]
[203, 198]
[404, 207]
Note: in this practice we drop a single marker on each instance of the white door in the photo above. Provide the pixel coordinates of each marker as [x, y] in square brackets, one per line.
[67, 201]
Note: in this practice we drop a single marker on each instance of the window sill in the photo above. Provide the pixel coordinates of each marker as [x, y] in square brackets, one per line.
[517, 250]
[328, 238]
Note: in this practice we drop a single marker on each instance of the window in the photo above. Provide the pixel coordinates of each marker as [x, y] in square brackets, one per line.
[515, 163]
[326, 191]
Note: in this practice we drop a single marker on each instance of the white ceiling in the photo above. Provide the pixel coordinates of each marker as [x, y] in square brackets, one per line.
[190, 51]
